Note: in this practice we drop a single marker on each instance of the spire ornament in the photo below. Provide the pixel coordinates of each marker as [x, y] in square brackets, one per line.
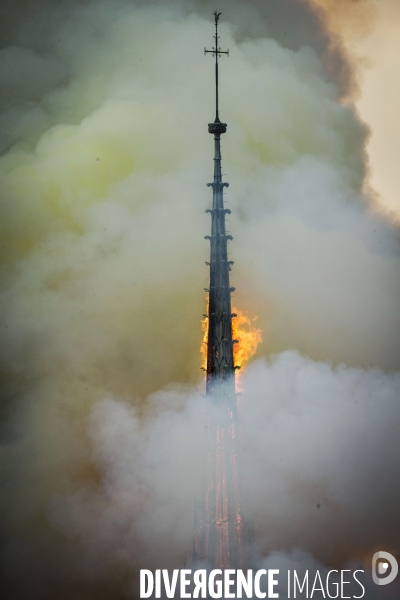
[216, 51]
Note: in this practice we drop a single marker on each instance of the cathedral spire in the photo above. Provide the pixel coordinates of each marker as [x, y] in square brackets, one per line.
[220, 536]
[220, 363]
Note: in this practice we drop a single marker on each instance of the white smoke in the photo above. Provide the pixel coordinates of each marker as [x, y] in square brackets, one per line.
[319, 466]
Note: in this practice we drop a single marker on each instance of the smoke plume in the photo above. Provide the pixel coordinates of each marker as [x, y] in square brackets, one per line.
[105, 156]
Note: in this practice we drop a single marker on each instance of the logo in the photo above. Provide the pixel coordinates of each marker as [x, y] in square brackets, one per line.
[385, 564]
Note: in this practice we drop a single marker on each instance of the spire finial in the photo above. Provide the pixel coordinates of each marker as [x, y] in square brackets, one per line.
[217, 52]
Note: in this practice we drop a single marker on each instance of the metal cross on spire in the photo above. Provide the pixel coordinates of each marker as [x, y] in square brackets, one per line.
[216, 51]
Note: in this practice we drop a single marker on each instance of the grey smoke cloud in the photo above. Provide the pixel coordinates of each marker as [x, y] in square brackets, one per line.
[103, 174]
[319, 464]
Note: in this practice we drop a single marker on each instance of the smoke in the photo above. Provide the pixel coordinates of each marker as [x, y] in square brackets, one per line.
[105, 156]
[319, 462]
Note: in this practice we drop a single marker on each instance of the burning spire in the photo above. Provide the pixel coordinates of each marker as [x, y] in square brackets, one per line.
[220, 539]
[220, 363]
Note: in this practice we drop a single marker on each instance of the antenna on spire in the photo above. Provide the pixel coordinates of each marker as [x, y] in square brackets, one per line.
[217, 52]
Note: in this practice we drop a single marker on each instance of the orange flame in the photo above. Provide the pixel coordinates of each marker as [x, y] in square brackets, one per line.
[248, 335]
[244, 330]
[203, 345]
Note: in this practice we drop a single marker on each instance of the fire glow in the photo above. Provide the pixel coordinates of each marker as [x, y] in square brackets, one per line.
[247, 334]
